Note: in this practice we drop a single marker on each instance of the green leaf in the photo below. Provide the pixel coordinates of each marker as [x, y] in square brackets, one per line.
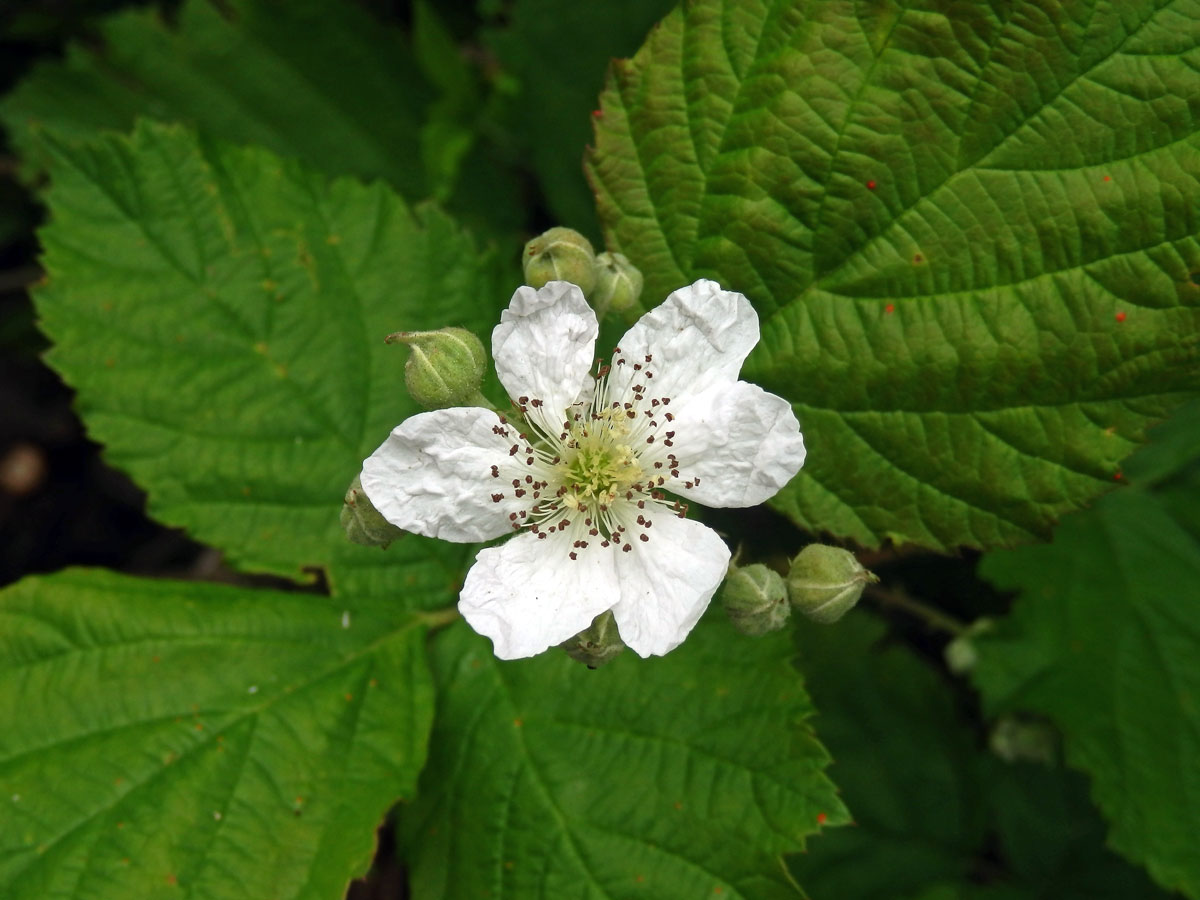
[969, 230]
[933, 811]
[317, 79]
[559, 53]
[221, 313]
[168, 739]
[685, 776]
[905, 762]
[1052, 839]
[1104, 639]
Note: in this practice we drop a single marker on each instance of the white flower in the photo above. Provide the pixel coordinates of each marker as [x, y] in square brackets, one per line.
[583, 481]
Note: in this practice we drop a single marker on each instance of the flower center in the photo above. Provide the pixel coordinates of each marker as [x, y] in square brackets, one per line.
[595, 476]
[604, 465]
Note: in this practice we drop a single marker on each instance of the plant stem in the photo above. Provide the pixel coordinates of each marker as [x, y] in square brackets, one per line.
[934, 618]
[439, 618]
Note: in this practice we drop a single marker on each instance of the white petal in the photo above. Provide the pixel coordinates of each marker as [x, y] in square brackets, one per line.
[666, 583]
[699, 336]
[544, 345]
[432, 476]
[743, 443]
[528, 595]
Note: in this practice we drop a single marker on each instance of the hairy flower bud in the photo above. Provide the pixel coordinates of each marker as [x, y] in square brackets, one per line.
[560, 254]
[597, 644]
[618, 285]
[825, 582]
[445, 367]
[961, 654]
[756, 599]
[1014, 738]
[362, 522]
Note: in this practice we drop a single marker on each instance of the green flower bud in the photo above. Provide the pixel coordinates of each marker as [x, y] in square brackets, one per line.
[597, 644]
[362, 522]
[1013, 739]
[560, 254]
[756, 599]
[445, 367]
[961, 654]
[618, 284]
[825, 582]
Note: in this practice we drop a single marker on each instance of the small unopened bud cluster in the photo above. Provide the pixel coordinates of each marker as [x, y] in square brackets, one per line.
[610, 281]
[362, 522]
[823, 583]
[597, 644]
[445, 367]
[756, 599]
[826, 582]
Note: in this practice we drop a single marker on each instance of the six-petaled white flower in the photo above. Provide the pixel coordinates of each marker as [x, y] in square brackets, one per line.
[583, 478]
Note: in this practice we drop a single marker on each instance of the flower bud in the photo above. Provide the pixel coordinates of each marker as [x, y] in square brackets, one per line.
[362, 522]
[597, 644]
[445, 367]
[825, 582]
[1032, 740]
[560, 254]
[961, 654]
[756, 599]
[618, 284]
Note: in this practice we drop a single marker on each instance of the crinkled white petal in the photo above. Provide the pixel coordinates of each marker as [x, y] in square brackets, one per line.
[743, 443]
[666, 584]
[528, 595]
[432, 476]
[544, 345]
[699, 336]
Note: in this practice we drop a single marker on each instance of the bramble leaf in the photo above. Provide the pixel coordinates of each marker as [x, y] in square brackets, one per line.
[970, 231]
[221, 313]
[680, 777]
[170, 739]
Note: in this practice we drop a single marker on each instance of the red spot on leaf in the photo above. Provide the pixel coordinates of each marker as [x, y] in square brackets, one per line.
[822, 818]
[597, 113]
[1108, 178]
[890, 308]
[1118, 475]
[1121, 316]
[871, 185]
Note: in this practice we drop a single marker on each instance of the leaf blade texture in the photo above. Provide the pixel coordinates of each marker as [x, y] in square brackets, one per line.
[221, 313]
[197, 739]
[676, 778]
[970, 232]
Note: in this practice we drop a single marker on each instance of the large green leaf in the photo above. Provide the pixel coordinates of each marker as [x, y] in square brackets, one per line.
[317, 79]
[969, 228]
[221, 313]
[933, 810]
[166, 739]
[1105, 639]
[904, 761]
[685, 776]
